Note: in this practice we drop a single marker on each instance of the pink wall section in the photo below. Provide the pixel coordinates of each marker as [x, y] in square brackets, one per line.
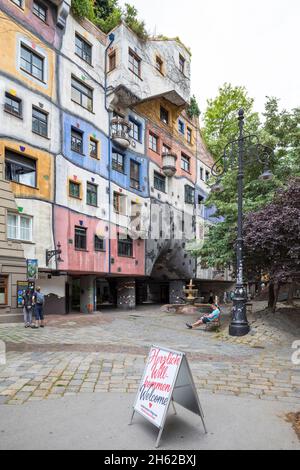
[90, 261]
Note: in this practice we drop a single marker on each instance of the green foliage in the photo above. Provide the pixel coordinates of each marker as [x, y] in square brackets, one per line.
[107, 15]
[220, 118]
[193, 109]
[83, 9]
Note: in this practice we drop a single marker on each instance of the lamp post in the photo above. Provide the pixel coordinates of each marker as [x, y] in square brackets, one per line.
[246, 150]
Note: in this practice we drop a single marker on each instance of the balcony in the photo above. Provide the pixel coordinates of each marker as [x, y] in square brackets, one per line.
[169, 160]
[120, 129]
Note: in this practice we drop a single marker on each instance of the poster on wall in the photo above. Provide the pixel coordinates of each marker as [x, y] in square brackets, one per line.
[167, 379]
[32, 269]
[21, 288]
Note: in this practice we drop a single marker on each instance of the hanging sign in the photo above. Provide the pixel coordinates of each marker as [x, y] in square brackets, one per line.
[32, 269]
[167, 379]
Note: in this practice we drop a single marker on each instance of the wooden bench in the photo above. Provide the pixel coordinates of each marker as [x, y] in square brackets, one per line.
[213, 325]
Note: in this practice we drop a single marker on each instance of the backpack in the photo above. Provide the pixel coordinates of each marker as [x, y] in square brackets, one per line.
[40, 298]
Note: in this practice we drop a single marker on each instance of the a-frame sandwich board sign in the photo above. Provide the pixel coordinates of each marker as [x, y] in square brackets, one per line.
[167, 378]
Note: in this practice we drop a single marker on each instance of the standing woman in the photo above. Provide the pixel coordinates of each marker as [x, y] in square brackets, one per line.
[27, 303]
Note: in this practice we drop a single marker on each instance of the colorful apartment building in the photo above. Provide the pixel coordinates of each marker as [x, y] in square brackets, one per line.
[103, 174]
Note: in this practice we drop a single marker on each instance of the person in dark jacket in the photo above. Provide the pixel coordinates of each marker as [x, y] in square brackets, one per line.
[27, 303]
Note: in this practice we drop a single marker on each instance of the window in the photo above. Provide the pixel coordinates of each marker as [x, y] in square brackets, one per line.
[99, 243]
[76, 141]
[185, 163]
[19, 227]
[118, 162]
[164, 115]
[153, 142]
[135, 131]
[112, 61]
[125, 246]
[80, 238]
[201, 174]
[13, 105]
[39, 122]
[166, 149]
[19, 3]
[83, 49]
[74, 189]
[32, 63]
[40, 11]
[189, 194]
[207, 176]
[159, 182]
[93, 148]
[119, 203]
[92, 194]
[20, 169]
[189, 135]
[159, 64]
[3, 290]
[134, 63]
[82, 94]
[181, 126]
[181, 63]
[134, 175]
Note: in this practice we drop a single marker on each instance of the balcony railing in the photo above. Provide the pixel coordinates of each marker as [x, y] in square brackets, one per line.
[169, 160]
[120, 129]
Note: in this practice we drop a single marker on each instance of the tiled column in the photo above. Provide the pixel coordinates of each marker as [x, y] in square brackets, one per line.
[87, 294]
[126, 294]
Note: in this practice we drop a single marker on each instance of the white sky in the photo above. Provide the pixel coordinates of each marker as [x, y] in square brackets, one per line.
[255, 43]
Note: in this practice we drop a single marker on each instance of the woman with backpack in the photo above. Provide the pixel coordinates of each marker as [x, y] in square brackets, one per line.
[39, 300]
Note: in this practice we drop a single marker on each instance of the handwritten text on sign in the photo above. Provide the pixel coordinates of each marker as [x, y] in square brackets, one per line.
[157, 385]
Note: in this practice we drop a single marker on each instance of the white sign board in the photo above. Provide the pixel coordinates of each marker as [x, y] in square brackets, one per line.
[157, 385]
[167, 379]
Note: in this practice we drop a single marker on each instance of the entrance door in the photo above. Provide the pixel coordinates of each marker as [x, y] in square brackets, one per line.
[75, 304]
[164, 293]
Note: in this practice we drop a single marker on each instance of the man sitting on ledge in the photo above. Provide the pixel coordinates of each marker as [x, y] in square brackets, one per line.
[209, 318]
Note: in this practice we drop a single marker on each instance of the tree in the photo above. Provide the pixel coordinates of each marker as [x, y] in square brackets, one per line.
[272, 239]
[220, 118]
[83, 9]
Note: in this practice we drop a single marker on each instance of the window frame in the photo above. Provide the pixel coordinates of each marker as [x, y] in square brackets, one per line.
[87, 57]
[75, 131]
[162, 179]
[40, 5]
[182, 62]
[185, 163]
[18, 227]
[32, 53]
[189, 135]
[153, 138]
[123, 245]
[181, 126]
[23, 159]
[159, 63]
[46, 115]
[75, 85]
[189, 194]
[166, 119]
[18, 3]
[115, 162]
[135, 125]
[82, 236]
[97, 239]
[112, 61]
[16, 99]
[135, 66]
[78, 185]
[96, 142]
[135, 179]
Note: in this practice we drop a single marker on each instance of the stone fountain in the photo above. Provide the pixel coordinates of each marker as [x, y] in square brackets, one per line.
[190, 306]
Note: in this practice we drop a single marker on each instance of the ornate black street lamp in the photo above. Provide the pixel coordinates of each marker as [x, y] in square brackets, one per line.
[246, 150]
[51, 253]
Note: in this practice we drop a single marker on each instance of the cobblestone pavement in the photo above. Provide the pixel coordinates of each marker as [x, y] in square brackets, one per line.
[106, 352]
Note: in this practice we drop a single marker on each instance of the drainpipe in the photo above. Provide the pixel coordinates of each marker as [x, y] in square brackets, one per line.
[111, 39]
